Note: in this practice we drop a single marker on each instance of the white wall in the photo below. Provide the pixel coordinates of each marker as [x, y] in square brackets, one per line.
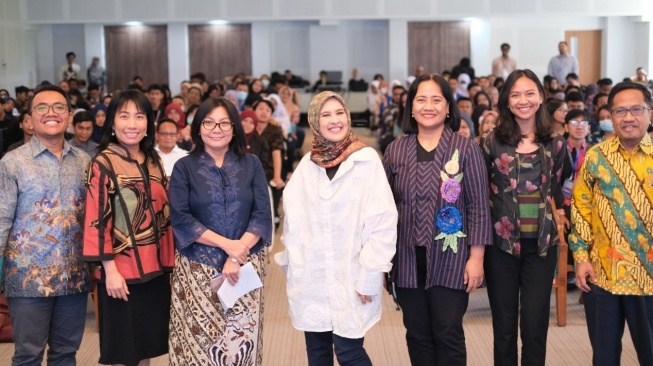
[624, 47]
[67, 38]
[178, 58]
[17, 44]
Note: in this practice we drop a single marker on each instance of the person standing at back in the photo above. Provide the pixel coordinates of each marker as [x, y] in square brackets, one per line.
[563, 64]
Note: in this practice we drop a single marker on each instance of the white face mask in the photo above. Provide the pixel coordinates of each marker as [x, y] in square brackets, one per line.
[265, 83]
[606, 125]
[384, 90]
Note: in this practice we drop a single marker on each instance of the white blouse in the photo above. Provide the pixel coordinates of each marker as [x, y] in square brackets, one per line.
[340, 237]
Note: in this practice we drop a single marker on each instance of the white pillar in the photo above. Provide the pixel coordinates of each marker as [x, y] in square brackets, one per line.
[261, 52]
[178, 62]
[398, 49]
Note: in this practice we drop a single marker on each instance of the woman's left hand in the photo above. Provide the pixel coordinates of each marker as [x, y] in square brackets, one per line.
[230, 271]
[473, 277]
[562, 220]
[364, 298]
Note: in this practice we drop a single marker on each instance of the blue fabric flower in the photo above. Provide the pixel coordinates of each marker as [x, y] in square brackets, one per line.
[449, 220]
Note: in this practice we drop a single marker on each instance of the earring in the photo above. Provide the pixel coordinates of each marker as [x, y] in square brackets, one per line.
[146, 134]
[412, 115]
[447, 115]
[113, 133]
[540, 102]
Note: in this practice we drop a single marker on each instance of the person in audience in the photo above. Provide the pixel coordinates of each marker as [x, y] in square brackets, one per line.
[106, 100]
[94, 96]
[83, 123]
[289, 99]
[641, 77]
[175, 112]
[294, 142]
[557, 110]
[127, 235]
[473, 88]
[572, 79]
[357, 83]
[21, 98]
[96, 74]
[77, 100]
[604, 117]
[242, 91]
[466, 129]
[611, 233]
[524, 159]
[563, 64]
[156, 95]
[9, 126]
[493, 93]
[280, 113]
[482, 98]
[255, 144]
[335, 301]
[484, 83]
[44, 276]
[220, 212]
[271, 132]
[464, 67]
[503, 65]
[605, 85]
[439, 183]
[194, 96]
[599, 100]
[465, 105]
[180, 101]
[487, 121]
[100, 114]
[25, 123]
[254, 92]
[294, 81]
[69, 70]
[553, 89]
[166, 144]
[266, 85]
[4, 93]
[463, 82]
[574, 100]
[373, 96]
[321, 82]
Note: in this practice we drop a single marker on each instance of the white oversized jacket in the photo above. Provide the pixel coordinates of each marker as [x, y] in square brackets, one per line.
[340, 237]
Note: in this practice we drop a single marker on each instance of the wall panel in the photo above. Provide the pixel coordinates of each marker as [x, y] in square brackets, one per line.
[220, 50]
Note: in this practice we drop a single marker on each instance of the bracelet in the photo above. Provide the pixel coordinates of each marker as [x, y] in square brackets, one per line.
[234, 260]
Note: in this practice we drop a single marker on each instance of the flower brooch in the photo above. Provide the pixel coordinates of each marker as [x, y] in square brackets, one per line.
[449, 220]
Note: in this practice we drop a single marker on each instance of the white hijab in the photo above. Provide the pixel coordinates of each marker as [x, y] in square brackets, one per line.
[280, 113]
[373, 97]
[463, 83]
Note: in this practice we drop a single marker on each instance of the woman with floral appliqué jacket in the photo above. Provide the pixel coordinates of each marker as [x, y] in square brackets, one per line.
[524, 160]
[439, 182]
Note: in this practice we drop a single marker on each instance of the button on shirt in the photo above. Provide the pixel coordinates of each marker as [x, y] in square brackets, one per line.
[41, 221]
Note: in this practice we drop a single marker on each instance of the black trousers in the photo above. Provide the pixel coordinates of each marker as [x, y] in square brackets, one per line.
[525, 280]
[433, 319]
[349, 352]
[606, 315]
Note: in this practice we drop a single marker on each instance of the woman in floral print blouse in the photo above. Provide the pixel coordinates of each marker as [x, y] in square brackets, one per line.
[524, 159]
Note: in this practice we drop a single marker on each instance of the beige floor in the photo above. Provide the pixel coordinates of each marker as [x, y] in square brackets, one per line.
[385, 343]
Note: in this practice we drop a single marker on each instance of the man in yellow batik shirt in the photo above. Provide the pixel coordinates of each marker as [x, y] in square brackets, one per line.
[612, 235]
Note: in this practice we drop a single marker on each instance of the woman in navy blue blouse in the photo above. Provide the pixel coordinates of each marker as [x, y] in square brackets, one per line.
[220, 213]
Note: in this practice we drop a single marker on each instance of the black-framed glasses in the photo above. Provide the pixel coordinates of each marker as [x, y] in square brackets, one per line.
[42, 109]
[575, 123]
[211, 125]
[636, 110]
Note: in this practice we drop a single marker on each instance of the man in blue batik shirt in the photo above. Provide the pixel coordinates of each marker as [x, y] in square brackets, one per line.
[41, 216]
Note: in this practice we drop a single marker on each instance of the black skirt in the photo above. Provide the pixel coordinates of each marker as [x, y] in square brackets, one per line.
[137, 329]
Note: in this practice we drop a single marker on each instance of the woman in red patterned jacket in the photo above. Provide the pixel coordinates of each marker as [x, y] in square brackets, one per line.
[127, 233]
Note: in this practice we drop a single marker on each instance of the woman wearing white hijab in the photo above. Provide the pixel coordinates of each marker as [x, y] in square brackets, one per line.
[463, 82]
[280, 114]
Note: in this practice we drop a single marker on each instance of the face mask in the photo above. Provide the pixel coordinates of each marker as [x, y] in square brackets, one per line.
[241, 95]
[606, 125]
[384, 90]
[292, 128]
[189, 120]
[82, 90]
[265, 83]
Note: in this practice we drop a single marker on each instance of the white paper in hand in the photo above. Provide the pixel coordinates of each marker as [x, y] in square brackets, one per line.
[248, 280]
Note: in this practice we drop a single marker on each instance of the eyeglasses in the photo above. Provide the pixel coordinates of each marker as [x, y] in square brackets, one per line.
[42, 109]
[168, 134]
[211, 125]
[636, 110]
[575, 123]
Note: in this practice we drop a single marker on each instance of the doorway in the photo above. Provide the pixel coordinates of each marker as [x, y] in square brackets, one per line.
[586, 46]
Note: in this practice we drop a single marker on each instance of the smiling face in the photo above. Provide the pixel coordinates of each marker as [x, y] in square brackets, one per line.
[216, 141]
[248, 125]
[130, 126]
[630, 129]
[263, 112]
[100, 117]
[333, 123]
[430, 107]
[83, 131]
[576, 129]
[51, 124]
[524, 99]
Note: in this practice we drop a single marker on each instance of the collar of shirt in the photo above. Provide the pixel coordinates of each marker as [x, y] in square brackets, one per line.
[645, 144]
[37, 147]
[570, 146]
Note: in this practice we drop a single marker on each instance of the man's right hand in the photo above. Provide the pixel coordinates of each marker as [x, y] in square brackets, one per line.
[584, 270]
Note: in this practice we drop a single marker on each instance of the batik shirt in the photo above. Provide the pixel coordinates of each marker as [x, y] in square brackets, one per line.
[41, 221]
[612, 216]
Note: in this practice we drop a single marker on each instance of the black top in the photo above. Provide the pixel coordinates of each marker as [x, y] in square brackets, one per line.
[423, 155]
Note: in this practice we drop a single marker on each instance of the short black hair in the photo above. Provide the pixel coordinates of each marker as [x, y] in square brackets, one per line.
[606, 107]
[471, 85]
[256, 103]
[71, 53]
[21, 89]
[136, 77]
[83, 116]
[597, 96]
[238, 141]
[575, 113]
[166, 120]
[504, 45]
[604, 81]
[156, 87]
[398, 87]
[573, 97]
[93, 86]
[43, 88]
[572, 75]
[627, 85]
[464, 99]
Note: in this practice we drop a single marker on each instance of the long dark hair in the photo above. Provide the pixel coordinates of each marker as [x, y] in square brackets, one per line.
[507, 130]
[409, 124]
[237, 143]
[142, 105]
